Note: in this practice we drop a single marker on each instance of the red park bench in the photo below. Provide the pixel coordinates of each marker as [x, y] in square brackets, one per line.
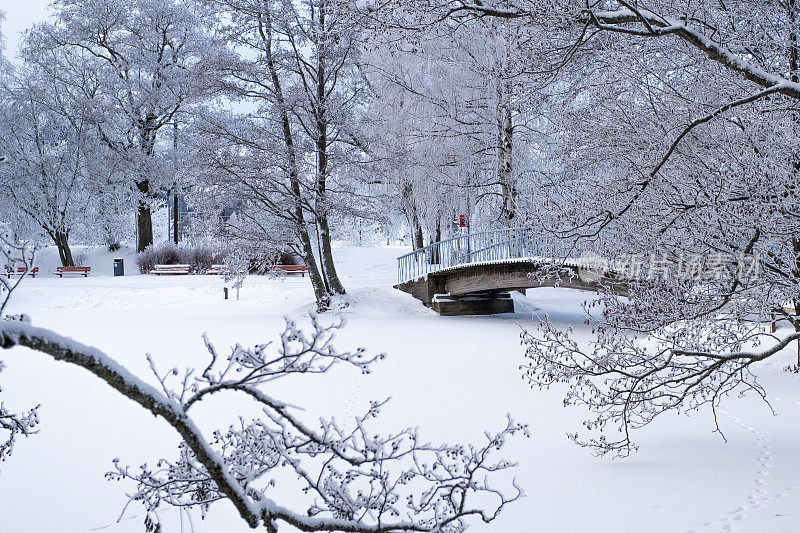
[292, 269]
[20, 271]
[215, 270]
[170, 270]
[61, 271]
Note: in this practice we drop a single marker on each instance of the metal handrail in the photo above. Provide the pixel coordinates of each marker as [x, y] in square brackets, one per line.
[483, 247]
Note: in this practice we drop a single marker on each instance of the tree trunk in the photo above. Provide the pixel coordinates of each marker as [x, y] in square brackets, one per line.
[796, 322]
[175, 218]
[321, 211]
[505, 131]
[419, 241]
[410, 210]
[434, 257]
[306, 249]
[61, 240]
[794, 49]
[326, 255]
[144, 219]
[794, 74]
[321, 293]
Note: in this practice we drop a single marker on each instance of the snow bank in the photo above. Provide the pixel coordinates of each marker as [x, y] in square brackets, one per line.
[97, 257]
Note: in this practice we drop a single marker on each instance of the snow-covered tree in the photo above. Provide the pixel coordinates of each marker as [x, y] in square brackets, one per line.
[294, 74]
[472, 114]
[133, 65]
[50, 156]
[680, 157]
[323, 45]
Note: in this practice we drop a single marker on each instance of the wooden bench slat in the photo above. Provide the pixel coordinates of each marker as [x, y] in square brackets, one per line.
[290, 269]
[81, 270]
[215, 270]
[170, 269]
[20, 271]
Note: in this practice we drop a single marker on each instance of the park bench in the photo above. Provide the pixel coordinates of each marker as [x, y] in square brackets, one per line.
[61, 271]
[292, 269]
[215, 270]
[20, 271]
[170, 270]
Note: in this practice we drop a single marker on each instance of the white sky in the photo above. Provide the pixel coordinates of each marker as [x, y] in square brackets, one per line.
[20, 15]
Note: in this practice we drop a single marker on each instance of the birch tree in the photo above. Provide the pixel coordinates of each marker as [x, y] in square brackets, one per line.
[292, 70]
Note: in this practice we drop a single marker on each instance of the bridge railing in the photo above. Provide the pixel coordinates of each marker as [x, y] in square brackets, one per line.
[484, 247]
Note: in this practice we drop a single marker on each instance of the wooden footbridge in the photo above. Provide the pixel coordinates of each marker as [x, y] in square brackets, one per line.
[473, 274]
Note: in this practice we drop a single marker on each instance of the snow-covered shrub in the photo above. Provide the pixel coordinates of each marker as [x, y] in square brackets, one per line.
[154, 255]
[261, 261]
[289, 258]
[237, 266]
[203, 256]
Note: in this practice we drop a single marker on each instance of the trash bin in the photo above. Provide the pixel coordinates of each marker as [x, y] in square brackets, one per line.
[119, 267]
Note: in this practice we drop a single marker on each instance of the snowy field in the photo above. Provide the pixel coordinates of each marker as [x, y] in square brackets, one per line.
[454, 377]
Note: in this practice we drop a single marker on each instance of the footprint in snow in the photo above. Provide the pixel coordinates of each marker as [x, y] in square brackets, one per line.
[760, 493]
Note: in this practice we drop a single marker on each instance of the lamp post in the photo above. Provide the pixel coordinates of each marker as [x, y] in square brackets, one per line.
[175, 217]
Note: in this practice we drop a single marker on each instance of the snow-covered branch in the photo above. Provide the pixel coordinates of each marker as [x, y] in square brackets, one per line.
[642, 22]
[67, 350]
[353, 479]
[13, 425]
[597, 225]
[628, 382]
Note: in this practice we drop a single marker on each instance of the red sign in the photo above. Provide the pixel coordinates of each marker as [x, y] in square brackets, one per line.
[462, 221]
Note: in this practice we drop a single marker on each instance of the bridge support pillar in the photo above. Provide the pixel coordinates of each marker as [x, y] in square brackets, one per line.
[474, 306]
[431, 291]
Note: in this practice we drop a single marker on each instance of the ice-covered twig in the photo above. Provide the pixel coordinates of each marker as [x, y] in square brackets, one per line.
[16, 255]
[627, 382]
[13, 425]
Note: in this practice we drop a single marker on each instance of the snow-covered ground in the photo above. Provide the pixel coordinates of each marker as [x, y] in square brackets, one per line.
[454, 377]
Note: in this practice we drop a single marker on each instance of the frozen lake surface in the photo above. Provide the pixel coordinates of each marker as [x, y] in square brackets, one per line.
[454, 377]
